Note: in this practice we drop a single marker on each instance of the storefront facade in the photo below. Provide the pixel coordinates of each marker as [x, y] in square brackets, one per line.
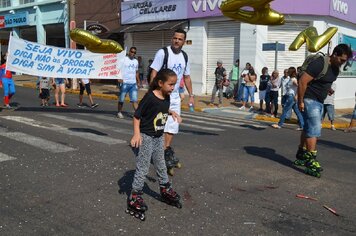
[40, 21]
[212, 36]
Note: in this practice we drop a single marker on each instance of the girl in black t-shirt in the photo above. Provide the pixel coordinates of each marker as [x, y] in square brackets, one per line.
[148, 142]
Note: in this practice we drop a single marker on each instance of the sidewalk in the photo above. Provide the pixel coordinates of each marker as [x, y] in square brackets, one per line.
[108, 91]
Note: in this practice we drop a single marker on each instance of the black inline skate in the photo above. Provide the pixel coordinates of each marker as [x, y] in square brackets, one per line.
[313, 167]
[300, 161]
[169, 196]
[171, 161]
[136, 206]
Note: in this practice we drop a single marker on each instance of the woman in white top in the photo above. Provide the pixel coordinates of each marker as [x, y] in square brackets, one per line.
[291, 100]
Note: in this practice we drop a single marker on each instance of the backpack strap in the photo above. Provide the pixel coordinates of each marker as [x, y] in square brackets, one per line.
[165, 59]
[325, 68]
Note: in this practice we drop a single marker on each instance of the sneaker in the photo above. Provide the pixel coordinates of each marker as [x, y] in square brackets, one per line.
[242, 108]
[273, 116]
[80, 105]
[299, 129]
[94, 105]
[251, 108]
[333, 127]
[8, 106]
[120, 115]
[276, 126]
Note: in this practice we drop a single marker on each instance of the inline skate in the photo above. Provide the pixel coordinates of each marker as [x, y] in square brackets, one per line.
[169, 196]
[300, 161]
[171, 161]
[136, 206]
[313, 167]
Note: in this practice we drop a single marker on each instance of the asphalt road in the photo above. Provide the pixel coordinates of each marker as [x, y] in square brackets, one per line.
[67, 171]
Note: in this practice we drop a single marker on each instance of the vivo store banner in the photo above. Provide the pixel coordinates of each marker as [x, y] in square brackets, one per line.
[341, 9]
[48, 61]
[133, 12]
[351, 66]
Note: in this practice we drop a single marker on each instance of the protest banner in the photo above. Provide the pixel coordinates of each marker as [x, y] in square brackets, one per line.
[42, 60]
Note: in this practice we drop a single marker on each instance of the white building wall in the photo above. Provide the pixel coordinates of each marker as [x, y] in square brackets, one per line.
[197, 52]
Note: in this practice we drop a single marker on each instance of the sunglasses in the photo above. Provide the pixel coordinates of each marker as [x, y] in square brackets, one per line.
[134, 52]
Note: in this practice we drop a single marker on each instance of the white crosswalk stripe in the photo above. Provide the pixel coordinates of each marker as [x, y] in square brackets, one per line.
[89, 123]
[63, 130]
[4, 157]
[35, 141]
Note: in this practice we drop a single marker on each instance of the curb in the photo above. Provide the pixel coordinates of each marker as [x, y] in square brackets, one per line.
[106, 96]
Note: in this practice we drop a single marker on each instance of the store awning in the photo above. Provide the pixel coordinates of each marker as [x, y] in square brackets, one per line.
[158, 26]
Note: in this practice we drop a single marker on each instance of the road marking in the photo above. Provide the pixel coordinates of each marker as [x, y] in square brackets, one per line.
[4, 157]
[89, 123]
[37, 142]
[63, 130]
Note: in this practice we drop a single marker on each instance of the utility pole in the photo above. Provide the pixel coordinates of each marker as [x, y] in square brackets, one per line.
[72, 25]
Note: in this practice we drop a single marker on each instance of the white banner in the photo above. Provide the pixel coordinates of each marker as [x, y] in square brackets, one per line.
[42, 60]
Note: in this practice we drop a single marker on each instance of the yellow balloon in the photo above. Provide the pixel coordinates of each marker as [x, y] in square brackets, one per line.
[93, 43]
[262, 14]
[314, 41]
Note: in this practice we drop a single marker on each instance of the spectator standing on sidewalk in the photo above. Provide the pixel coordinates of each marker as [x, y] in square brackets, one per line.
[84, 84]
[234, 78]
[284, 81]
[329, 106]
[220, 76]
[275, 84]
[242, 82]
[353, 119]
[291, 100]
[264, 79]
[249, 89]
[130, 79]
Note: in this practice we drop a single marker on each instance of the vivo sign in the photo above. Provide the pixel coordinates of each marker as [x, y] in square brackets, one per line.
[204, 5]
[340, 6]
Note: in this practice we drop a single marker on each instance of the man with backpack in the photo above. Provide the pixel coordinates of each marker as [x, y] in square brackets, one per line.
[174, 58]
[317, 74]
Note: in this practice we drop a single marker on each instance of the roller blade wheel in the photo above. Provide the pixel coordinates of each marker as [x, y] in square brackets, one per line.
[136, 214]
[299, 162]
[178, 165]
[170, 171]
[312, 172]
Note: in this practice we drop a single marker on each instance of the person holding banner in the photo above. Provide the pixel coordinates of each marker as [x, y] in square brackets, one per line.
[7, 83]
[60, 85]
[131, 79]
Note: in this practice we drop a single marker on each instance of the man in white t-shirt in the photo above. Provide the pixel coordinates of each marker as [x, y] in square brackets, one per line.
[179, 63]
[130, 80]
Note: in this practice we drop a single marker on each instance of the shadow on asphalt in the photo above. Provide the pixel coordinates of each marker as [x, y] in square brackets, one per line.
[270, 154]
[252, 127]
[125, 185]
[196, 132]
[336, 145]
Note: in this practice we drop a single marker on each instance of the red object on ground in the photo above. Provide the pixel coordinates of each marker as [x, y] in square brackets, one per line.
[331, 210]
[306, 197]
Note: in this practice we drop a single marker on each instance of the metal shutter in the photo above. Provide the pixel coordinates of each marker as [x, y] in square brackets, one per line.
[286, 34]
[148, 43]
[223, 44]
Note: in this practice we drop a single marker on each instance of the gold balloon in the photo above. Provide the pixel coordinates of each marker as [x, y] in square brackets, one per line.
[314, 41]
[262, 14]
[93, 43]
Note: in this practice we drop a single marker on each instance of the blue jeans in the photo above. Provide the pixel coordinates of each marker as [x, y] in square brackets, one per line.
[249, 91]
[283, 102]
[330, 110]
[128, 88]
[8, 87]
[290, 104]
[312, 117]
[240, 93]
